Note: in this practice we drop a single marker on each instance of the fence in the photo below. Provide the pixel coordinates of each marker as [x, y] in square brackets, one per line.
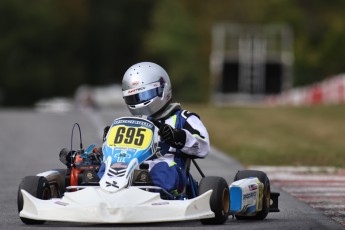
[329, 91]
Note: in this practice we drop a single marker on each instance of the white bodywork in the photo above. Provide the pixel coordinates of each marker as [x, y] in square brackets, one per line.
[128, 205]
[115, 200]
[246, 196]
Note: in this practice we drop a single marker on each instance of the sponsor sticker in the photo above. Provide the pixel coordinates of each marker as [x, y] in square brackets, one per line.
[118, 165]
[61, 203]
[249, 195]
[131, 122]
[252, 187]
[135, 83]
[136, 90]
[161, 203]
[141, 89]
[89, 175]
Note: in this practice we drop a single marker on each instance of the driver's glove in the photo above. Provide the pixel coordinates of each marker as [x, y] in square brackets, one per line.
[174, 137]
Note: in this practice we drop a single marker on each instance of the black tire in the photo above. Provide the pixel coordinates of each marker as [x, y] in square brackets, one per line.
[219, 201]
[266, 196]
[37, 187]
[61, 184]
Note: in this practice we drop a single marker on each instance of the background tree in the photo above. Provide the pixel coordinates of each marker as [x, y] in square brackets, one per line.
[49, 48]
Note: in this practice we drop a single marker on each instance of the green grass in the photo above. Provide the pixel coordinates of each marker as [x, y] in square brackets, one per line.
[308, 136]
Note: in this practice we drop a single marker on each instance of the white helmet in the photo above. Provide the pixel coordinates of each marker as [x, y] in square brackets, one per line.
[146, 88]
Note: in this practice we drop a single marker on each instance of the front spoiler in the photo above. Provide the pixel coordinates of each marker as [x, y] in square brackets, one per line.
[129, 205]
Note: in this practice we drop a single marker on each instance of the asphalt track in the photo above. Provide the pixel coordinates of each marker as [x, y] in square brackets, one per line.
[30, 143]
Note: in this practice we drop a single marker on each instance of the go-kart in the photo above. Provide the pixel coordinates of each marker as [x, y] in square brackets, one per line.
[125, 192]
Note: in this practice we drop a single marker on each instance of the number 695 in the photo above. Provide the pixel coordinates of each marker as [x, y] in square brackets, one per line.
[129, 135]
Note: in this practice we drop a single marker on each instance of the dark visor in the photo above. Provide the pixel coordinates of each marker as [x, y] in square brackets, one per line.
[143, 96]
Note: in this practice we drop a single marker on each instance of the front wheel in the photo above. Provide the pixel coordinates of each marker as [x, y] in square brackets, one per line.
[219, 201]
[37, 187]
[266, 196]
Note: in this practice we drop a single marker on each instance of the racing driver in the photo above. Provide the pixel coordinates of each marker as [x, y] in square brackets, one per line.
[147, 92]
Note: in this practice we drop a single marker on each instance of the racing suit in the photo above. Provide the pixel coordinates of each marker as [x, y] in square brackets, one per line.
[168, 171]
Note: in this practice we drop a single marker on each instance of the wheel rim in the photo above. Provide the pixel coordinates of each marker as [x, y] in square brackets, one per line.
[226, 200]
[268, 197]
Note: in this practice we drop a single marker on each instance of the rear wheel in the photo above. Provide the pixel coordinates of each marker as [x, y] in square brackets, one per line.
[219, 201]
[266, 196]
[37, 187]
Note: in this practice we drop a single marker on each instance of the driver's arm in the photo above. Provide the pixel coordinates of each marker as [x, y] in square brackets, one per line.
[197, 139]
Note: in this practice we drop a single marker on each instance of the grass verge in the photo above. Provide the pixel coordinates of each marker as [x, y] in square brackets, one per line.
[310, 136]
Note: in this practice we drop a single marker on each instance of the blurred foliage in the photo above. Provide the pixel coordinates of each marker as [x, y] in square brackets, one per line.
[174, 42]
[49, 48]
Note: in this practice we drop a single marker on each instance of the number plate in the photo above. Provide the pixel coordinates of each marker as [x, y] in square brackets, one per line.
[129, 135]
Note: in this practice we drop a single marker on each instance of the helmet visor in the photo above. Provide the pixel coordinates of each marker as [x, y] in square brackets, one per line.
[143, 96]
